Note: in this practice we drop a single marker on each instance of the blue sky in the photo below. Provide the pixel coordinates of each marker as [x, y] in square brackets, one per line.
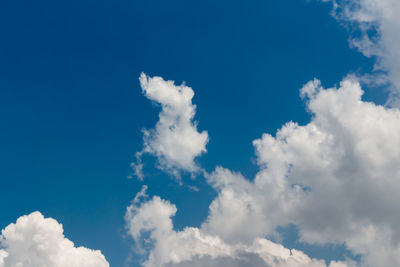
[72, 109]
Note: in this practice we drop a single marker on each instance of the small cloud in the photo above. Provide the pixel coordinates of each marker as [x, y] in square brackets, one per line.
[37, 241]
[175, 140]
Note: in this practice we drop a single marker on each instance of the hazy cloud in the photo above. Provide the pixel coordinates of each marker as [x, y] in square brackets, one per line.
[375, 27]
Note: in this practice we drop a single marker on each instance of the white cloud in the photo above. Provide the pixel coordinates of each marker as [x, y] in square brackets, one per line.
[253, 209]
[35, 241]
[195, 247]
[336, 178]
[175, 140]
[375, 25]
[3, 255]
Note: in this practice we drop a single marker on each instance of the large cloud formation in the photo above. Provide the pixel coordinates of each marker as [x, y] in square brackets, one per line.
[375, 27]
[336, 178]
[175, 140]
[195, 247]
[37, 241]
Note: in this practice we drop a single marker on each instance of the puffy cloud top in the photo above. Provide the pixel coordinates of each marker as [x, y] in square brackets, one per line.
[35, 241]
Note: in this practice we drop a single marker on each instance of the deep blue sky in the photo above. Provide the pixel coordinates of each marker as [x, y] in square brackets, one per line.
[71, 109]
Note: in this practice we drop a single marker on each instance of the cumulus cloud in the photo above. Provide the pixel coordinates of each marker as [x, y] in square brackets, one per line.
[37, 241]
[336, 178]
[195, 247]
[175, 140]
[375, 25]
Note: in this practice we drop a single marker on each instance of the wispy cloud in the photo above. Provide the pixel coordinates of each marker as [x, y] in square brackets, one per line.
[374, 27]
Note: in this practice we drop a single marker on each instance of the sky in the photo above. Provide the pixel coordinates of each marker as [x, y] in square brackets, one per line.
[199, 133]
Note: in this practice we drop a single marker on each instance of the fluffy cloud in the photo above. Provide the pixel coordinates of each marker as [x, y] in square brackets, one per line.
[37, 241]
[195, 247]
[375, 25]
[175, 140]
[336, 178]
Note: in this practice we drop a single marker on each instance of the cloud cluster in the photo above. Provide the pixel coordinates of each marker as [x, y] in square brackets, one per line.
[375, 25]
[175, 140]
[195, 247]
[336, 178]
[37, 241]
